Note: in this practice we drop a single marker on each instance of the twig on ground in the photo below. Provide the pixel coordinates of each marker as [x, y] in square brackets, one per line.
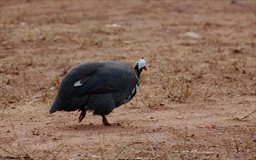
[58, 149]
[248, 114]
[126, 146]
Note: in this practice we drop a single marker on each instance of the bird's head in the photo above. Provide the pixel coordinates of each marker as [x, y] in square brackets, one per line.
[140, 65]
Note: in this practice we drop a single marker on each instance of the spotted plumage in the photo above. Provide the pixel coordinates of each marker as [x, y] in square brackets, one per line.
[99, 87]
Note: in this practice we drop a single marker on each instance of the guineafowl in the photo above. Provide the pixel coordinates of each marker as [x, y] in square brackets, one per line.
[99, 87]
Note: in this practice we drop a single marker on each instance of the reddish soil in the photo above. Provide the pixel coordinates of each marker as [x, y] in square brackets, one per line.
[193, 103]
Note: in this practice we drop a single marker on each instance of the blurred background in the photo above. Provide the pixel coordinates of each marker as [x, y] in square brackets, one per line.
[194, 102]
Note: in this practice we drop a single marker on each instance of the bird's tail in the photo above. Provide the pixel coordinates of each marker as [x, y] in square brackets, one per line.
[54, 107]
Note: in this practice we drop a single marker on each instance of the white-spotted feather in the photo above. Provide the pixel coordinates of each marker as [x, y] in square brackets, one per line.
[78, 83]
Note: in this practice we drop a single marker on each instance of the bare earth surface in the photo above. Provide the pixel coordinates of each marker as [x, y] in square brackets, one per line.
[193, 103]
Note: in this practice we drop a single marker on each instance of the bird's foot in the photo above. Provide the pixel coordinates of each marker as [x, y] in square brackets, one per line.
[82, 115]
[105, 121]
[106, 124]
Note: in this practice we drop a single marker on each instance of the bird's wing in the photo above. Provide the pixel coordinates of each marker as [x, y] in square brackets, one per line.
[100, 83]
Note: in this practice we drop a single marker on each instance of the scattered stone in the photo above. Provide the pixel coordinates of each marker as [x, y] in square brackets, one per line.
[233, 2]
[94, 156]
[190, 35]
[161, 104]
[36, 132]
[113, 25]
[22, 23]
[238, 51]
[55, 139]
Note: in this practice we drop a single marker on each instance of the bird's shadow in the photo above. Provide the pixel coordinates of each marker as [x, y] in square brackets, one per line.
[95, 127]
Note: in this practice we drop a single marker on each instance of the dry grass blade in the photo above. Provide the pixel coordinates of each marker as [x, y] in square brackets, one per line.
[248, 115]
[8, 152]
[124, 148]
[54, 153]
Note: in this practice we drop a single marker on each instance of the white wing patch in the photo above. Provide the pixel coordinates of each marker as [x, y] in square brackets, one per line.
[133, 92]
[135, 89]
[78, 83]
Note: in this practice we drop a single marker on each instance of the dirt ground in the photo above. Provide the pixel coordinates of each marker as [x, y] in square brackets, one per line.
[194, 102]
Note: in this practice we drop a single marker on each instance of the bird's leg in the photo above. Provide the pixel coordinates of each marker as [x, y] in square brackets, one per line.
[82, 115]
[105, 121]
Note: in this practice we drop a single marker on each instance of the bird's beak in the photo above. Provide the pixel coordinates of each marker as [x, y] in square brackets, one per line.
[145, 68]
